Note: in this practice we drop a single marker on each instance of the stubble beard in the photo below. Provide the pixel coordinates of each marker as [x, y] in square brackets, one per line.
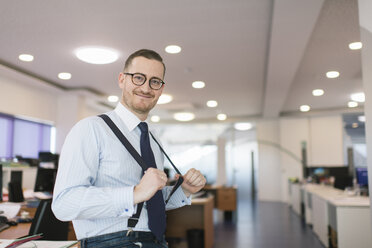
[142, 109]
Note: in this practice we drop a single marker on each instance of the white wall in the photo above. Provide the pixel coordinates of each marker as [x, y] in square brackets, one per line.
[69, 109]
[326, 141]
[239, 163]
[221, 161]
[23, 99]
[365, 20]
[293, 131]
[269, 177]
[279, 146]
[29, 98]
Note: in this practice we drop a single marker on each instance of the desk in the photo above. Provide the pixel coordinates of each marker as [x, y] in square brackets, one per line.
[225, 197]
[295, 197]
[198, 215]
[345, 218]
[22, 229]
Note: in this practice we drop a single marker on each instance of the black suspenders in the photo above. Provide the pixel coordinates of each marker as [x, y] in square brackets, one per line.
[132, 221]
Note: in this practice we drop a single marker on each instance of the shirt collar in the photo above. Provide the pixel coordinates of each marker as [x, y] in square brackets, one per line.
[129, 119]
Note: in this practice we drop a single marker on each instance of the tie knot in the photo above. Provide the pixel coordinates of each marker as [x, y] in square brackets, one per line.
[143, 126]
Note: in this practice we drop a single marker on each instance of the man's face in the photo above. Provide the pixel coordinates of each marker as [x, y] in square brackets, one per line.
[141, 99]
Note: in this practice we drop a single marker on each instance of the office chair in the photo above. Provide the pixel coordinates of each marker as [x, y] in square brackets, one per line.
[15, 192]
[46, 223]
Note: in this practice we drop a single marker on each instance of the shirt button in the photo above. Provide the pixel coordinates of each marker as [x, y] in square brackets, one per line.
[183, 201]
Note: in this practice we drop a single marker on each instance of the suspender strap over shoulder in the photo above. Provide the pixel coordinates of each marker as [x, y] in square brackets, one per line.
[132, 221]
[180, 179]
[124, 141]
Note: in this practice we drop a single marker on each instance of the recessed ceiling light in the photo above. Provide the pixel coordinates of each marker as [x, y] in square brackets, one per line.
[221, 117]
[26, 57]
[64, 75]
[362, 118]
[198, 84]
[352, 104]
[212, 103]
[358, 97]
[318, 92]
[113, 98]
[332, 74]
[97, 55]
[304, 108]
[173, 49]
[355, 45]
[155, 118]
[354, 125]
[165, 98]
[184, 116]
[242, 126]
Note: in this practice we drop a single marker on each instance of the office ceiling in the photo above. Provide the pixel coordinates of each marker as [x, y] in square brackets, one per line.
[258, 58]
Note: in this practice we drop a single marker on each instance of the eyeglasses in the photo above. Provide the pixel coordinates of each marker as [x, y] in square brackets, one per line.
[139, 79]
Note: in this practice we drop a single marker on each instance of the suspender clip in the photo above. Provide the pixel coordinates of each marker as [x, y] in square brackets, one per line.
[132, 222]
[129, 231]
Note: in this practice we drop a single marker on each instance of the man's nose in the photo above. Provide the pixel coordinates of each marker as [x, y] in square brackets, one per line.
[146, 86]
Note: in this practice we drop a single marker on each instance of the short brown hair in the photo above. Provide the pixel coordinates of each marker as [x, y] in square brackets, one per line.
[148, 54]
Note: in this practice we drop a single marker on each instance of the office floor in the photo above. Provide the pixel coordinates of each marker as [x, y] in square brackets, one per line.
[263, 225]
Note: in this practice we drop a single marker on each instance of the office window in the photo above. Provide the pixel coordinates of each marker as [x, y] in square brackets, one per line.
[6, 133]
[24, 138]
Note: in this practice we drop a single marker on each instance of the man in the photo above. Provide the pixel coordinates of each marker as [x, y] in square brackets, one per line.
[99, 184]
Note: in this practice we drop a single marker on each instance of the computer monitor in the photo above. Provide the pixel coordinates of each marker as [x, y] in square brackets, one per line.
[343, 181]
[48, 160]
[362, 176]
[45, 179]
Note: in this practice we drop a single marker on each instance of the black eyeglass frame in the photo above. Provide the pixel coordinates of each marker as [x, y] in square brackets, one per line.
[132, 74]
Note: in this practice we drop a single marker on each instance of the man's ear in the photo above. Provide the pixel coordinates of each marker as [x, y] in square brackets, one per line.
[121, 79]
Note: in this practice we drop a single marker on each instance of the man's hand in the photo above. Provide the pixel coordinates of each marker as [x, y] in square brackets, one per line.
[152, 181]
[193, 181]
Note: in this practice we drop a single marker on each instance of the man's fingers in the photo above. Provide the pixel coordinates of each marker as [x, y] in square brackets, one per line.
[194, 177]
[189, 174]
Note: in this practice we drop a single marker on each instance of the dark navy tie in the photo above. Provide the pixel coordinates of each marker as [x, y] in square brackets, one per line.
[156, 205]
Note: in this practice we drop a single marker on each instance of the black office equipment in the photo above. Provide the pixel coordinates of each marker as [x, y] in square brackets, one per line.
[15, 192]
[16, 176]
[46, 223]
[33, 162]
[45, 179]
[340, 174]
[3, 223]
[343, 181]
[46, 156]
[49, 157]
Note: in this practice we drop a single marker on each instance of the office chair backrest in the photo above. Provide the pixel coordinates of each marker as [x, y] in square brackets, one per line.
[15, 192]
[45, 179]
[46, 223]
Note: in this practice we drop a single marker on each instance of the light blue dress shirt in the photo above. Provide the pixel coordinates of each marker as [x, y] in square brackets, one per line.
[96, 177]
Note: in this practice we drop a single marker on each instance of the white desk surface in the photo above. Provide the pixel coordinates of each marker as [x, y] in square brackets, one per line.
[337, 197]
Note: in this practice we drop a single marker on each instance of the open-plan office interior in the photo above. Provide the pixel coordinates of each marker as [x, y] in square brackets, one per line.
[269, 99]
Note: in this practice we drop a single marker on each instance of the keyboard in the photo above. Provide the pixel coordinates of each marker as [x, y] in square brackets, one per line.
[3, 226]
